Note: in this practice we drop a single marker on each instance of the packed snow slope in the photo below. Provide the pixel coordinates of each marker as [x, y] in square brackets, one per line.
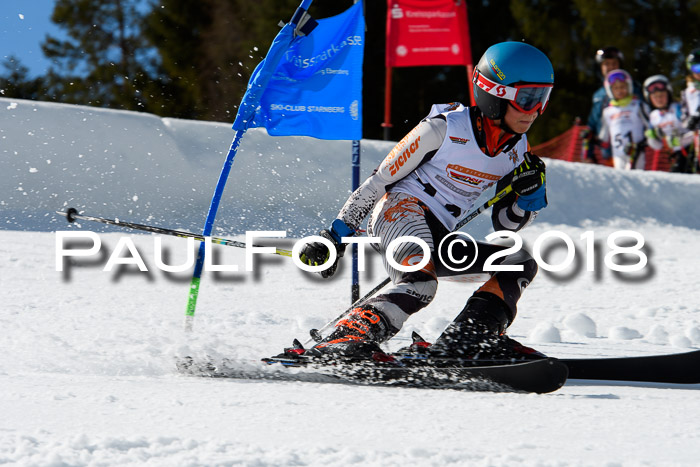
[88, 377]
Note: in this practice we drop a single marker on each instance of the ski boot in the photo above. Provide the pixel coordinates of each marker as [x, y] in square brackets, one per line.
[478, 332]
[357, 336]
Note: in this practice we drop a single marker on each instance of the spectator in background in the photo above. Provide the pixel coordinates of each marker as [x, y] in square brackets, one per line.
[624, 122]
[690, 96]
[608, 59]
[666, 128]
[690, 104]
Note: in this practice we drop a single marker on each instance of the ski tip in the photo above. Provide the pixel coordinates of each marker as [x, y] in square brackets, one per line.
[70, 214]
[416, 337]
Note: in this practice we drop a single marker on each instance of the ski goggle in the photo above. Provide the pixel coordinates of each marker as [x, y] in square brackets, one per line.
[658, 86]
[526, 98]
[615, 77]
[695, 67]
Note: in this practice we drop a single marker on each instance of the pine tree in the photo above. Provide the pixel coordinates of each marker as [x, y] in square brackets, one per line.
[210, 47]
[104, 61]
[16, 82]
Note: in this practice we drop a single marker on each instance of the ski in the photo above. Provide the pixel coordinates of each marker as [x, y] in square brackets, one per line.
[536, 376]
[418, 370]
[679, 368]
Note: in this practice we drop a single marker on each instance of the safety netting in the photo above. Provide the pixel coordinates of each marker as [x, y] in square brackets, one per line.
[572, 146]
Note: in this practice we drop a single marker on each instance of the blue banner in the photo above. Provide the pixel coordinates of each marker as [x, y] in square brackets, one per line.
[316, 87]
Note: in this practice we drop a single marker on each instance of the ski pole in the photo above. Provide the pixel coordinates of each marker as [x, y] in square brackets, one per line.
[72, 214]
[695, 159]
[316, 334]
[497, 197]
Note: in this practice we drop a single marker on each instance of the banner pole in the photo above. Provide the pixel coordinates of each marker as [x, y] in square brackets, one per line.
[387, 104]
[303, 24]
[208, 225]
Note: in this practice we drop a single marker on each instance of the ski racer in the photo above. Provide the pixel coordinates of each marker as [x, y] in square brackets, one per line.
[667, 129]
[690, 96]
[690, 104]
[608, 59]
[624, 122]
[425, 185]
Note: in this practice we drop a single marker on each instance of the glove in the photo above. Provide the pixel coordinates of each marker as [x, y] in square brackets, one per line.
[631, 150]
[673, 142]
[651, 134]
[528, 176]
[528, 183]
[316, 253]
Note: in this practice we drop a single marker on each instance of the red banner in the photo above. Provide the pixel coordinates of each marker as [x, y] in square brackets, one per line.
[427, 32]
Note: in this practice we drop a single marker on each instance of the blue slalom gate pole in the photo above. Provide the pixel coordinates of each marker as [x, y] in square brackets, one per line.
[208, 225]
[355, 288]
[300, 23]
[269, 86]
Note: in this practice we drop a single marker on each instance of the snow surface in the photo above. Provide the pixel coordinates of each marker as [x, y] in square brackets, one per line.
[88, 376]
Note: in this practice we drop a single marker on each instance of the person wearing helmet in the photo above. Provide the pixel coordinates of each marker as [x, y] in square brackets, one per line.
[690, 96]
[667, 130]
[428, 182]
[607, 59]
[690, 105]
[624, 122]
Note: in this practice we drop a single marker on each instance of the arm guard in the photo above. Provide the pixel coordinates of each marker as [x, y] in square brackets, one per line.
[422, 142]
[506, 214]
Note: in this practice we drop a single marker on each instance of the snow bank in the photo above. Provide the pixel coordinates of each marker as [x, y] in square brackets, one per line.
[164, 171]
[147, 169]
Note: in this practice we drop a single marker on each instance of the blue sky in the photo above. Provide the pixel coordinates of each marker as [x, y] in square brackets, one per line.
[23, 26]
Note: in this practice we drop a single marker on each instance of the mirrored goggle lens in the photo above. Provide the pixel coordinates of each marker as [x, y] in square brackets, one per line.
[527, 98]
[695, 68]
[615, 77]
[654, 87]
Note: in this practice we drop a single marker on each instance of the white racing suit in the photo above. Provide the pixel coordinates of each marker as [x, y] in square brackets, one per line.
[425, 185]
[623, 128]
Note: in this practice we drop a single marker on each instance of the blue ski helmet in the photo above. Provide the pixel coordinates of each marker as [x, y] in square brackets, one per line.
[512, 73]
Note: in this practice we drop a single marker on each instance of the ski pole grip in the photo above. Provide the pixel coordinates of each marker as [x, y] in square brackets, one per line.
[70, 214]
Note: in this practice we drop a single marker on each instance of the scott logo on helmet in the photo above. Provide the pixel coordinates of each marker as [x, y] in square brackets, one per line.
[493, 88]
